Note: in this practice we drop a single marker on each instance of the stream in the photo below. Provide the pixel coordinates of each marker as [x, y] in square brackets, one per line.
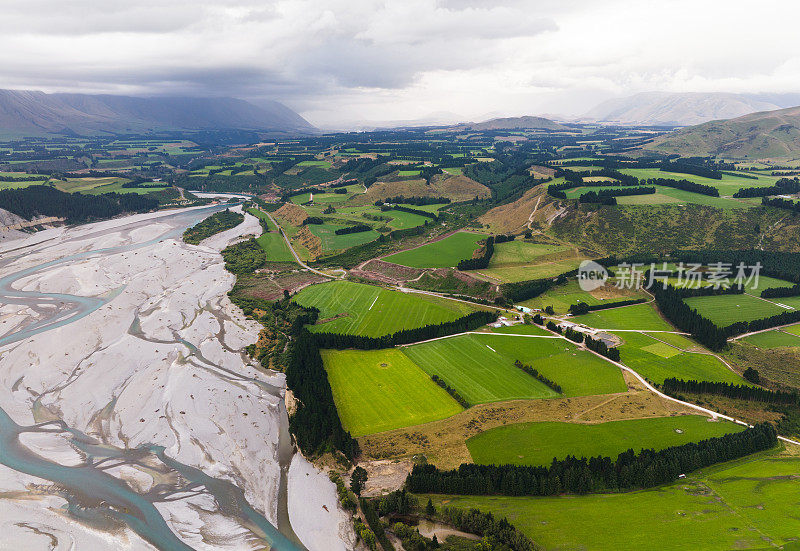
[92, 494]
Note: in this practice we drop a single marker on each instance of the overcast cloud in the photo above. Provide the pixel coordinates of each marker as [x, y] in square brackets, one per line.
[341, 61]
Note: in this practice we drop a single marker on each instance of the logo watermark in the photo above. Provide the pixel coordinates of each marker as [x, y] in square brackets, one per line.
[591, 275]
[718, 275]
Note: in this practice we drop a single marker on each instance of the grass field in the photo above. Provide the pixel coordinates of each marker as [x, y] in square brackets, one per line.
[272, 242]
[638, 316]
[333, 242]
[550, 268]
[724, 310]
[518, 252]
[355, 308]
[402, 220]
[658, 361]
[773, 339]
[664, 195]
[481, 367]
[746, 504]
[538, 443]
[728, 185]
[444, 253]
[378, 390]
[561, 297]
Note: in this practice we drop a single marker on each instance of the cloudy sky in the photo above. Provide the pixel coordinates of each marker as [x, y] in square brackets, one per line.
[338, 62]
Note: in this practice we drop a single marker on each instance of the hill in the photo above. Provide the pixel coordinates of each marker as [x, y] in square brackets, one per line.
[769, 134]
[679, 109]
[25, 112]
[514, 123]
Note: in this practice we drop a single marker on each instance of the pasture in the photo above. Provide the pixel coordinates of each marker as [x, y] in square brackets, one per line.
[750, 503]
[444, 253]
[728, 185]
[543, 268]
[561, 297]
[537, 444]
[332, 242]
[272, 241]
[773, 339]
[724, 310]
[657, 361]
[642, 317]
[519, 252]
[379, 390]
[359, 309]
[481, 367]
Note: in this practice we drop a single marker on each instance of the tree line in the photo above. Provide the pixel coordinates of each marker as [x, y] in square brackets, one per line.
[481, 262]
[315, 424]
[32, 201]
[647, 469]
[785, 204]
[358, 228]
[451, 391]
[673, 386]
[216, 223]
[688, 168]
[671, 303]
[581, 308]
[469, 322]
[533, 372]
[414, 200]
[685, 185]
[784, 186]
[777, 292]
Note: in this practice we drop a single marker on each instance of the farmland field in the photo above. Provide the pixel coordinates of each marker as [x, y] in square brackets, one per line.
[728, 185]
[481, 367]
[372, 311]
[664, 194]
[538, 443]
[272, 241]
[773, 339]
[380, 390]
[745, 504]
[658, 361]
[518, 252]
[638, 316]
[444, 253]
[333, 242]
[561, 297]
[724, 310]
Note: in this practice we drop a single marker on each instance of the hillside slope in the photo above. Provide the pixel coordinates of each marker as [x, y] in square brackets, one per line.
[27, 112]
[514, 123]
[677, 109]
[768, 134]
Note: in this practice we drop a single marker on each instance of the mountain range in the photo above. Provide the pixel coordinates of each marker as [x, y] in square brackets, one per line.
[767, 134]
[514, 123]
[25, 112]
[683, 109]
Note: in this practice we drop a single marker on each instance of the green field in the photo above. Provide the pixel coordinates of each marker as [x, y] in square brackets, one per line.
[518, 252]
[272, 241]
[539, 443]
[358, 309]
[728, 185]
[444, 253]
[402, 220]
[521, 329]
[542, 269]
[773, 339]
[332, 242]
[724, 310]
[746, 504]
[481, 367]
[657, 361]
[561, 297]
[638, 316]
[662, 196]
[379, 390]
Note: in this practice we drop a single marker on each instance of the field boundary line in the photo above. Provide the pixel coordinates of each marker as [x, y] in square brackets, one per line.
[478, 333]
